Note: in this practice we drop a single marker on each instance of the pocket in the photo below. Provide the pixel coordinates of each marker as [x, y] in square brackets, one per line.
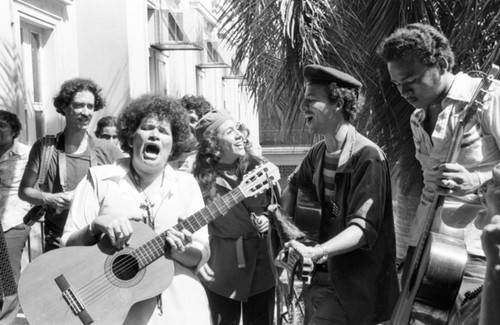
[471, 149]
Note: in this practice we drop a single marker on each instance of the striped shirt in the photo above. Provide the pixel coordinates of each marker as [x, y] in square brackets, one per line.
[330, 165]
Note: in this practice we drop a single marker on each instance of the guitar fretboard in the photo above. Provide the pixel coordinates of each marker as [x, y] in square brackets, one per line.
[155, 248]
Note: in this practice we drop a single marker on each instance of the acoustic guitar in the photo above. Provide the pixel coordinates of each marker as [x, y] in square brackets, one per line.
[305, 229]
[99, 284]
[437, 267]
[307, 218]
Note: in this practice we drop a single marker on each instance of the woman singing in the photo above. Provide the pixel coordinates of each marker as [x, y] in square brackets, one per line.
[145, 188]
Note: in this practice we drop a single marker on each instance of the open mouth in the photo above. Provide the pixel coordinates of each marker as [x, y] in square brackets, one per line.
[151, 150]
[84, 120]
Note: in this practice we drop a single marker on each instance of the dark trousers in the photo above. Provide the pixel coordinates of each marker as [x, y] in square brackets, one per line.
[258, 310]
[15, 239]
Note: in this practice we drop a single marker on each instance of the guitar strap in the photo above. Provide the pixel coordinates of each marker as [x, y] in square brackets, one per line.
[61, 155]
[270, 251]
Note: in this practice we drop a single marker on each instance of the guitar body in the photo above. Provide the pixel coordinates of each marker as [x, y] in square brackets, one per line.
[97, 277]
[439, 275]
[308, 212]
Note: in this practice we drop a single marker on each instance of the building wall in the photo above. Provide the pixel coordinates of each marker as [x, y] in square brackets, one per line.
[53, 21]
[113, 49]
[109, 42]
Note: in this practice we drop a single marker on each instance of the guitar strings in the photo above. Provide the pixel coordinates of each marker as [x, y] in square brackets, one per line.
[96, 288]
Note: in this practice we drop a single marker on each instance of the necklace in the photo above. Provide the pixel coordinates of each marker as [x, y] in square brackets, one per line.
[147, 206]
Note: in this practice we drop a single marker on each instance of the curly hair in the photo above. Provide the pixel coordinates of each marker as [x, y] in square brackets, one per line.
[197, 104]
[351, 105]
[158, 106]
[13, 121]
[105, 122]
[70, 87]
[421, 40]
[206, 166]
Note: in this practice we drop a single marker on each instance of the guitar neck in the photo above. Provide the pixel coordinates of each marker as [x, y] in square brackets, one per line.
[155, 248]
[465, 118]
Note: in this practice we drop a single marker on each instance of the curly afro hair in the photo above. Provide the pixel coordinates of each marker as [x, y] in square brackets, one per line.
[13, 121]
[351, 105]
[196, 103]
[420, 40]
[70, 87]
[158, 106]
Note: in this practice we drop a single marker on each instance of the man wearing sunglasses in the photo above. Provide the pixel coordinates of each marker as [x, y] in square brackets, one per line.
[55, 167]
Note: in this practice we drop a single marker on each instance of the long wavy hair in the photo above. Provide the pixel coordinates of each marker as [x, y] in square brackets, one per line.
[206, 167]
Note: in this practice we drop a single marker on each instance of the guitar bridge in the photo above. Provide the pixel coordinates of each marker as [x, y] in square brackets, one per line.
[74, 303]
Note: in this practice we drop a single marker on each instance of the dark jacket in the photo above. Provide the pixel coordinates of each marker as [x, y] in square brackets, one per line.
[365, 278]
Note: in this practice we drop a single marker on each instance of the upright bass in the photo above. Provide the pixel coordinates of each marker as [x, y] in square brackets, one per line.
[437, 267]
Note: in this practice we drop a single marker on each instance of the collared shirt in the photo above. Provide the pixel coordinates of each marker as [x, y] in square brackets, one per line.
[479, 152]
[12, 164]
[110, 189]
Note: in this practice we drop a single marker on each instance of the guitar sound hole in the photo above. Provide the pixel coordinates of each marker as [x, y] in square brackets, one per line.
[125, 267]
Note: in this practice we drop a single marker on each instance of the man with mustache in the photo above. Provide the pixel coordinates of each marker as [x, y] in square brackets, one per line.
[56, 165]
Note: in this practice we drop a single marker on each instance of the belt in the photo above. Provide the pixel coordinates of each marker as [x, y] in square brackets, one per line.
[240, 255]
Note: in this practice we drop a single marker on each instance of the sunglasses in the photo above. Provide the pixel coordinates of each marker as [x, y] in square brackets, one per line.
[109, 136]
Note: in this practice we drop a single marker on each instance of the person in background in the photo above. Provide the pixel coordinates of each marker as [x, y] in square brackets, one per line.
[106, 129]
[238, 277]
[481, 306]
[490, 238]
[13, 159]
[354, 279]
[196, 107]
[419, 59]
[145, 188]
[74, 151]
[8, 286]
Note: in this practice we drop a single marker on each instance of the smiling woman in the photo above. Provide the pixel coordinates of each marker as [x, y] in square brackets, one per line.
[145, 188]
[243, 282]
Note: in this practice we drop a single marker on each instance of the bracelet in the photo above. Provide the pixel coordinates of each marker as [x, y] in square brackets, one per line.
[324, 255]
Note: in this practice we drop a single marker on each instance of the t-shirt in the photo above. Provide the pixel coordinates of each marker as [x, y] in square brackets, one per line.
[76, 169]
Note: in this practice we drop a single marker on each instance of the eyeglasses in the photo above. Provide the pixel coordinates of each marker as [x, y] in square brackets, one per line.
[109, 136]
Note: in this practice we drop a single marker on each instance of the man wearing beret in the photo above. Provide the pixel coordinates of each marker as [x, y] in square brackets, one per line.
[355, 280]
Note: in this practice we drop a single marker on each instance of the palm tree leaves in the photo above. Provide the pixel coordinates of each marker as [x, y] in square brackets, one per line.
[275, 39]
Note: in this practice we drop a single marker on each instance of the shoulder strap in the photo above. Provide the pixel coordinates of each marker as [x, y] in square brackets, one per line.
[48, 143]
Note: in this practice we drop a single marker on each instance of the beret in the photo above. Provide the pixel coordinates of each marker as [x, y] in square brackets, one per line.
[209, 122]
[314, 73]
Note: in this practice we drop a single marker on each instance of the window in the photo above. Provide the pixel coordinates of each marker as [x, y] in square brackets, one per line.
[31, 43]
